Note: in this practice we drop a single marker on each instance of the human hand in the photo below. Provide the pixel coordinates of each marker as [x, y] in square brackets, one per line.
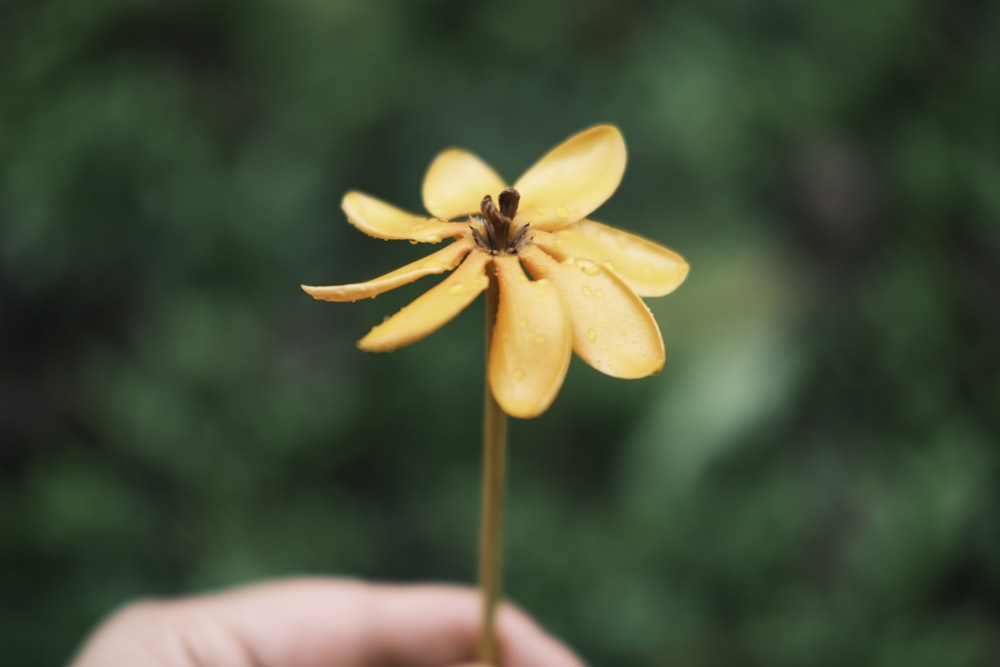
[316, 623]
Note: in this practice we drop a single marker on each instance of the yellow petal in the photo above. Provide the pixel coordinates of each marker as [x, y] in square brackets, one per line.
[456, 183]
[648, 268]
[381, 220]
[432, 310]
[531, 344]
[443, 260]
[613, 331]
[572, 179]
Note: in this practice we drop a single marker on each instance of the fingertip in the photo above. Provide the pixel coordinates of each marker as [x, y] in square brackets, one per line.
[443, 621]
[524, 643]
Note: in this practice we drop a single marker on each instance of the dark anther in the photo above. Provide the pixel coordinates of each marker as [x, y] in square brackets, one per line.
[480, 240]
[519, 238]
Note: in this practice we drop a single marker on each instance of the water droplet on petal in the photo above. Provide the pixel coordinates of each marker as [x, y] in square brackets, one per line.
[456, 289]
[562, 212]
[599, 293]
[589, 268]
[414, 242]
[559, 242]
[623, 332]
[522, 323]
[540, 339]
[518, 373]
[585, 290]
[591, 335]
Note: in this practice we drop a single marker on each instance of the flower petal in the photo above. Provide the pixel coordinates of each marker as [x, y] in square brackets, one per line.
[613, 331]
[384, 221]
[433, 309]
[532, 342]
[456, 182]
[443, 260]
[647, 267]
[572, 179]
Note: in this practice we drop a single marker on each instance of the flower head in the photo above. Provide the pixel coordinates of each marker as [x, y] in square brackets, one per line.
[583, 282]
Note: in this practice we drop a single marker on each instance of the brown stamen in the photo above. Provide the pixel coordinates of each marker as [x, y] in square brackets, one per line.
[509, 200]
[496, 237]
[491, 213]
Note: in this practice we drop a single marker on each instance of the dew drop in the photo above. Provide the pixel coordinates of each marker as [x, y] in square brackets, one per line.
[623, 332]
[523, 323]
[585, 290]
[599, 293]
[540, 339]
[591, 335]
[562, 212]
[589, 268]
[518, 374]
[413, 242]
[456, 289]
[559, 242]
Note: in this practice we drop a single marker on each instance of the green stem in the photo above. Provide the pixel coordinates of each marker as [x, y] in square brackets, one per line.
[491, 519]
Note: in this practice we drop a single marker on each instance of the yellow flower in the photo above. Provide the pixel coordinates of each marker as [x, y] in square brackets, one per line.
[586, 277]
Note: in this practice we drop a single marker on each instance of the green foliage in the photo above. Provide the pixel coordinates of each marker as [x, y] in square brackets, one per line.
[811, 481]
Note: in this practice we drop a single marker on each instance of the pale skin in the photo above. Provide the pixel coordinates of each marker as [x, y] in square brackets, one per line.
[317, 623]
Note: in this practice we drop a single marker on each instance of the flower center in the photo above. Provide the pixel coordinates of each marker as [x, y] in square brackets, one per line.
[496, 237]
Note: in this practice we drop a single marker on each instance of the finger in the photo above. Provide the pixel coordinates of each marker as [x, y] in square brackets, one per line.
[295, 623]
[439, 625]
[523, 643]
[319, 623]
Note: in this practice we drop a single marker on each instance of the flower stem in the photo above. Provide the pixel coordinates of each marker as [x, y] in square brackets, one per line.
[491, 518]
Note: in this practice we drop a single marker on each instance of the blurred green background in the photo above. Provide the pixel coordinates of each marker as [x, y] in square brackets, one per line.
[812, 480]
